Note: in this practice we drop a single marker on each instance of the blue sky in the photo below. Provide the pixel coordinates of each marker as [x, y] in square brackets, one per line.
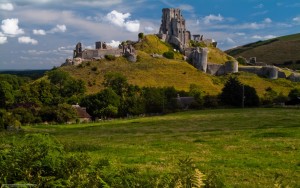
[41, 34]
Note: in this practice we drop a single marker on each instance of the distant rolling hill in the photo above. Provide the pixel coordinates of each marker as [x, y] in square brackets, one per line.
[282, 51]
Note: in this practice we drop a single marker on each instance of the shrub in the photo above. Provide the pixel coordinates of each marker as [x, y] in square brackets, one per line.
[232, 94]
[110, 57]
[169, 55]
[94, 68]
[241, 60]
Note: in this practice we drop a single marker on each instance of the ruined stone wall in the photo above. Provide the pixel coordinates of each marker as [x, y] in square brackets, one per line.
[270, 72]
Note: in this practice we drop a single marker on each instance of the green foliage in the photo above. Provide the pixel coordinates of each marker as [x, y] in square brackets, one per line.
[94, 68]
[197, 44]
[97, 102]
[117, 82]
[294, 94]
[110, 57]
[241, 60]
[195, 91]
[66, 85]
[15, 81]
[188, 176]
[154, 99]
[169, 54]
[26, 115]
[61, 113]
[7, 119]
[232, 94]
[211, 101]
[41, 160]
[6, 94]
[141, 36]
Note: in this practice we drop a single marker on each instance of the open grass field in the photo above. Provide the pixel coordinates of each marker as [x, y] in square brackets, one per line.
[245, 147]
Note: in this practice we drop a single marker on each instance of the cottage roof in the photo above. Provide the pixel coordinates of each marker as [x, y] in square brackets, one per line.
[81, 111]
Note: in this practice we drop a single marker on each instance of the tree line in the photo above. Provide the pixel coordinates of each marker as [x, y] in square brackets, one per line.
[49, 99]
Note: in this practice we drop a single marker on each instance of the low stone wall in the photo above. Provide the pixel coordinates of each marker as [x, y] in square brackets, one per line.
[270, 72]
[295, 77]
[215, 69]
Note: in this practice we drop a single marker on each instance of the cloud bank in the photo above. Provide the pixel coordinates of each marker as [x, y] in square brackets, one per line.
[121, 20]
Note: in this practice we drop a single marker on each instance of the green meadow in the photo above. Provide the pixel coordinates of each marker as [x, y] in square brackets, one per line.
[242, 147]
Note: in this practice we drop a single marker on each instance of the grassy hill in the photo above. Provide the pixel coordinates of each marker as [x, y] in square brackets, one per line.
[161, 72]
[281, 51]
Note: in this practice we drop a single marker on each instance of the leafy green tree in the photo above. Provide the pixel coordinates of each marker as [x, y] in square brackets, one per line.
[61, 113]
[294, 94]
[141, 36]
[195, 91]
[117, 82]
[95, 103]
[6, 94]
[269, 96]
[232, 94]
[251, 97]
[25, 116]
[154, 99]
[73, 88]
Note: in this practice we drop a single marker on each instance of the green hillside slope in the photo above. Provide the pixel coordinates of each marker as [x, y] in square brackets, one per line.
[281, 51]
[160, 72]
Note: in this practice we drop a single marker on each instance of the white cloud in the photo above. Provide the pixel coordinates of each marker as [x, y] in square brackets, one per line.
[3, 39]
[259, 6]
[132, 26]
[11, 27]
[186, 7]
[263, 37]
[267, 20]
[27, 40]
[240, 34]
[230, 40]
[119, 19]
[208, 19]
[39, 32]
[296, 19]
[149, 29]
[58, 29]
[102, 3]
[6, 6]
[253, 25]
[114, 44]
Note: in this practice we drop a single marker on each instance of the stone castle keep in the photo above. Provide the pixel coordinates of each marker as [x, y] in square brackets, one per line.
[173, 30]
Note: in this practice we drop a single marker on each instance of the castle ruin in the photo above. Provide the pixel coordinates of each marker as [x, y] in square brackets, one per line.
[100, 51]
[173, 28]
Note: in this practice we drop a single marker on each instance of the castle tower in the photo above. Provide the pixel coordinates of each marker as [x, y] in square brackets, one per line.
[78, 50]
[173, 28]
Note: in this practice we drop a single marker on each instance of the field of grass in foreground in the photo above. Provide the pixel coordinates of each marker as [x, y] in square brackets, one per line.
[245, 147]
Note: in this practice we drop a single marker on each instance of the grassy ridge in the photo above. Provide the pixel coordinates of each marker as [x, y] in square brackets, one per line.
[247, 148]
[281, 50]
[161, 72]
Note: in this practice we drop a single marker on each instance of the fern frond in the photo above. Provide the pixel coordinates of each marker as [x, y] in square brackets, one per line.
[198, 179]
